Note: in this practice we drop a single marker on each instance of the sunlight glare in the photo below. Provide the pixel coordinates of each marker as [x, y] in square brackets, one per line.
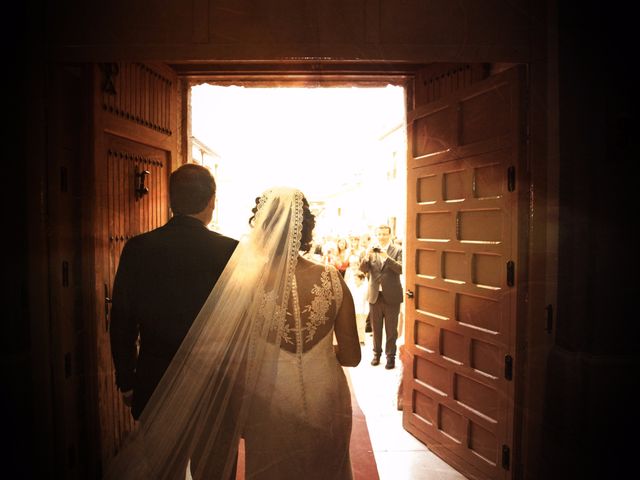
[321, 140]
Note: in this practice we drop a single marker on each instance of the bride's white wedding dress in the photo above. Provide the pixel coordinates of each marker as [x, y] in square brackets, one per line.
[301, 428]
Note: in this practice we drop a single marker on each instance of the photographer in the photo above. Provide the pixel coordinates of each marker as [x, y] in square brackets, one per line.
[383, 262]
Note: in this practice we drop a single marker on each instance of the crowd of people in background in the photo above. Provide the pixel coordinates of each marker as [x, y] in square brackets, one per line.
[346, 253]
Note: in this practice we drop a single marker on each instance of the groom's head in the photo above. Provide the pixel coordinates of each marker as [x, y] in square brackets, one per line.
[192, 189]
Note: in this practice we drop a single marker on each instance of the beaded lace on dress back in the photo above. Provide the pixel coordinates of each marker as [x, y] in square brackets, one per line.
[315, 299]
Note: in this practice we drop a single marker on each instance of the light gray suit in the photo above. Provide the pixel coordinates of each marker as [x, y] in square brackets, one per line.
[385, 296]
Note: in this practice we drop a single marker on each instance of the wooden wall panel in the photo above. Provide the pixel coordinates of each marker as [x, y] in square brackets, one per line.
[137, 93]
[384, 30]
[68, 328]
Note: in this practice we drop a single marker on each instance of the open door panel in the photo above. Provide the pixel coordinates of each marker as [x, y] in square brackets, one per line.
[465, 153]
[135, 150]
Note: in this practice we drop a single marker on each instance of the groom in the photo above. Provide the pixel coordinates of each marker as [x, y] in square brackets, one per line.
[163, 279]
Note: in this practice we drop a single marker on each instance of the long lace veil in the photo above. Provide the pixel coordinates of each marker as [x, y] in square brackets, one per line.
[198, 409]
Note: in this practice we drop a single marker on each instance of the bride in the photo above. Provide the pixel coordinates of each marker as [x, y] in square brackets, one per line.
[259, 362]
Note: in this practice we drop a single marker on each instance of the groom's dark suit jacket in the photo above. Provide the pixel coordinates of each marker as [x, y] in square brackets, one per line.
[163, 279]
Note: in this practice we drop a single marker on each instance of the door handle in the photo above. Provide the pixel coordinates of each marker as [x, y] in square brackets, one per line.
[107, 302]
[409, 294]
[141, 189]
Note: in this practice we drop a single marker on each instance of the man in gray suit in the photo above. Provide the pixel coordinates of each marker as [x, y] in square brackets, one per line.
[383, 262]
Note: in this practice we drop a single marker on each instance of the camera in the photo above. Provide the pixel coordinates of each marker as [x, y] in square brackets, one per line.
[376, 249]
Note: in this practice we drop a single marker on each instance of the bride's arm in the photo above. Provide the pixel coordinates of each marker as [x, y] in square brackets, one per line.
[348, 348]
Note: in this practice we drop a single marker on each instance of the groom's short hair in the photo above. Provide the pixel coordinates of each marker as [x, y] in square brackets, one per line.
[191, 186]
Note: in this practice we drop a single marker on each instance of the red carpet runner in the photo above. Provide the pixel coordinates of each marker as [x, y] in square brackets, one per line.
[362, 458]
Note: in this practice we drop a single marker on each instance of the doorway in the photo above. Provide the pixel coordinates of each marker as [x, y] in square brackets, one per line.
[345, 148]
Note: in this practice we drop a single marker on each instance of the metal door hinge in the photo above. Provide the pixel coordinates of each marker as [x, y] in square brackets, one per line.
[549, 320]
[65, 274]
[511, 273]
[506, 457]
[64, 180]
[511, 178]
[508, 367]
[67, 365]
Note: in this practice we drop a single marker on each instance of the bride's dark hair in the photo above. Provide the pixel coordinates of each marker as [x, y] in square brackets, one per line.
[308, 224]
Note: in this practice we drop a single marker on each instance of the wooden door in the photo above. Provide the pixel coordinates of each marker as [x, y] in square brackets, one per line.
[465, 171]
[135, 150]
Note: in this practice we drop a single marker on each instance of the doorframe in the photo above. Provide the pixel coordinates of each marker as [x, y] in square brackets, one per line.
[538, 240]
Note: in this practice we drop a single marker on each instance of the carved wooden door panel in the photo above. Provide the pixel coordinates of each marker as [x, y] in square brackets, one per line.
[465, 170]
[134, 151]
